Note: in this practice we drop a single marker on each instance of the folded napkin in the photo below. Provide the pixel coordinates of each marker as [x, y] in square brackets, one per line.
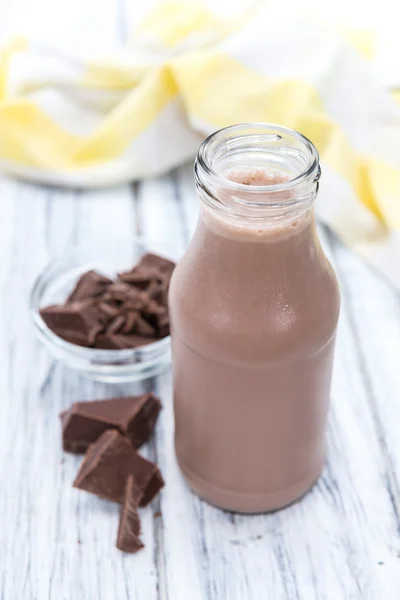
[79, 122]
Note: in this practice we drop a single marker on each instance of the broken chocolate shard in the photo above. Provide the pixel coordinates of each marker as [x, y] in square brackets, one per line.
[119, 290]
[107, 465]
[129, 522]
[156, 315]
[154, 485]
[130, 320]
[116, 324]
[73, 337]
[106, 342]
[154, 261]
[109, 309]
[94, 332]
[80, 318]
[89, 285]
[134, 416]
[153, 308]
[142, 327]
[141, 277]
[158, 292]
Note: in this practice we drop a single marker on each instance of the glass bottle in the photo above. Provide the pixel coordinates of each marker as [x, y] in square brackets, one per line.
[254, 305]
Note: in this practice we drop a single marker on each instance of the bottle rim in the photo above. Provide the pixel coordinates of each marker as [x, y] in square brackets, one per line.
[257, 133]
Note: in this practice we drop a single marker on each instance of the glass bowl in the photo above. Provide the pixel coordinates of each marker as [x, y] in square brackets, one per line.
[56, 282]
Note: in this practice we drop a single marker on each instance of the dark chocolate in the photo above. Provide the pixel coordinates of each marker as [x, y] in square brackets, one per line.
[154, 261]
[116, 324]
[142, 327]
[73, 337]
[109, 315]
[124, 342]
[130, 321]
[134, 416]
[141, 277]
[107, 465]
[106, 342]
[129, 522]
[109, 309]
[79, 320]
[89, 285]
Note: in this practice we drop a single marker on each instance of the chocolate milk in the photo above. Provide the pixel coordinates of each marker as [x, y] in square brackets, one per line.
[254, 310]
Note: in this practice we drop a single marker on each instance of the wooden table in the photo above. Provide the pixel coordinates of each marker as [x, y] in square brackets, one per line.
[341, 542]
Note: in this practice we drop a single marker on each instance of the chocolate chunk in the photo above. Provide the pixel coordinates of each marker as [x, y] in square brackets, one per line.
[94, 332]
[73, 337]
[129, 522]
[124, 342]
[134, 304]
[134, 416]
[90, 284]
[142, 327]
[134, 494]
[119, 290]
[112, 315]
[67, 316]
[106, 342]
[140, 277]
[130, 320]
[163, 331]
[153, 261]
[107, 465]
[153, 308]
[116, 324]
[154, 485]
[79, 317]
[158, 292]
[109, 309]
[156, 315]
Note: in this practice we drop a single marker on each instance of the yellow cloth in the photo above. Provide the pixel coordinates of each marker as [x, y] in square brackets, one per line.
[71, 121]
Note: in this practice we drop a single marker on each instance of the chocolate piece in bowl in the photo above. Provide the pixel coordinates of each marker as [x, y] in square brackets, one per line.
[130, 321]
[118, 341]
[116, 324]
[107, 465]
[141, 278]
[119, 290]
[158, 292]
[107, 341]
[113, 315]
[134, 416]
[142, 327]
[89, 285]
[108, 309]
[81, 321]
[154, 261]
[73, 337]
[129, 522]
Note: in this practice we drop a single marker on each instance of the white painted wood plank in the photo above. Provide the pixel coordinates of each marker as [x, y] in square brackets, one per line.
[375, 321]
[160, 212]
[187, 194]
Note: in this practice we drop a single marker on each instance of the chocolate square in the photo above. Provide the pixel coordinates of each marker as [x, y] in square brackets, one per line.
[107, 465]
[134, 416]
[129, 522]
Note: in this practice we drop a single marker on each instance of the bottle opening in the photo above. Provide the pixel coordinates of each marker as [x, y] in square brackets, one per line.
[259, 164]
